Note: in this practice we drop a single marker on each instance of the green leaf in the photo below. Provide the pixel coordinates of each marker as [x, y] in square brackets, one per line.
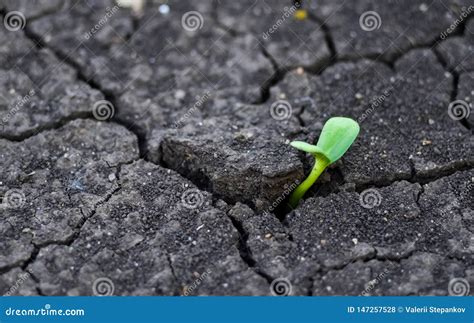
[301, 145]
[337, 136]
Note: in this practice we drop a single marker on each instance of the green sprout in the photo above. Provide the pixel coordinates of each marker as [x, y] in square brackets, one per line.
[337, 136]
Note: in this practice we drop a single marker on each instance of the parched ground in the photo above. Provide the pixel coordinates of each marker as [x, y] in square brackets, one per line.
[147, 148]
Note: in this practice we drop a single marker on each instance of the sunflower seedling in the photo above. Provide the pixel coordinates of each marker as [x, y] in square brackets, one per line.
[337, 136]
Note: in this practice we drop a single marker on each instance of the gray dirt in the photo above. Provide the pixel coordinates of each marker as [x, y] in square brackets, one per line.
[180, 189]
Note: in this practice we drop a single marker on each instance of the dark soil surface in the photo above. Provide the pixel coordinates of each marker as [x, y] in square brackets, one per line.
[152, 152]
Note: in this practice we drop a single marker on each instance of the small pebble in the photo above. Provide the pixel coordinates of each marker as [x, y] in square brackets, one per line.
[426, 142]
[164, 9]
[179, 94]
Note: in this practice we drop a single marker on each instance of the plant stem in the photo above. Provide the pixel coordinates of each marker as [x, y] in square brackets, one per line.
[320, 165]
